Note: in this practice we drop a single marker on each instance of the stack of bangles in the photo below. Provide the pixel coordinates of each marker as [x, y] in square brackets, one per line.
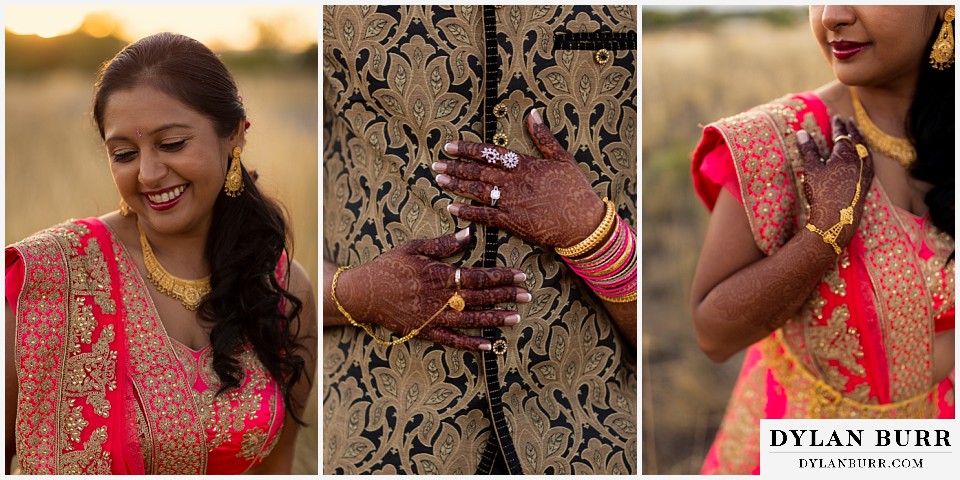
[607, 261]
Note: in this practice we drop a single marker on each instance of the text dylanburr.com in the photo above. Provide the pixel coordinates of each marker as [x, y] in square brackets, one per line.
[825, 449]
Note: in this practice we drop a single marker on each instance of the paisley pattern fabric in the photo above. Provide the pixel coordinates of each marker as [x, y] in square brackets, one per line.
[862, 346]
[399, 83]
[103, 388]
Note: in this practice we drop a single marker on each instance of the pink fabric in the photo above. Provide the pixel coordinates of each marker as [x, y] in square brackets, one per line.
[759, 388]
[189, 429]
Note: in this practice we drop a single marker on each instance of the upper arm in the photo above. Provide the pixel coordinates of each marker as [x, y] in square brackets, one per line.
[727, 248]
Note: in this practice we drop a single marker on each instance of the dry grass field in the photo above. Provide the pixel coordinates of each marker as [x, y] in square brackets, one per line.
[57, 169]
[689, 79]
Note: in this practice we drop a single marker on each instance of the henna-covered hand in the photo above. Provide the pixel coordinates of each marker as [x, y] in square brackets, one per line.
[547, 201]
[829, 186]
[404, 287]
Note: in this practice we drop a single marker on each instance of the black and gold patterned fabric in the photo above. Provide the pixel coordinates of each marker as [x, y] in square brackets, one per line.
[399, 83]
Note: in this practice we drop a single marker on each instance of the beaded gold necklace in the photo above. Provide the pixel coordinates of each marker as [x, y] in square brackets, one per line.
[188, 292]
[899, 149]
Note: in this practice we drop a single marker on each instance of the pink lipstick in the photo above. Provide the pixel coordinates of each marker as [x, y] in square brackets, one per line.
[843, 49]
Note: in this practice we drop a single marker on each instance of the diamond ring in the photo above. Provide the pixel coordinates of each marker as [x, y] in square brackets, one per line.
[494, 196]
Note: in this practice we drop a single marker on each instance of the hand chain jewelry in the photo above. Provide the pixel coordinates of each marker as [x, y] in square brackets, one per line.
[455, 302]
[846, 214]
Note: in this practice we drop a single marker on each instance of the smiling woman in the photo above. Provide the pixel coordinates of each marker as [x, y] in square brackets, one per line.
[176, 335]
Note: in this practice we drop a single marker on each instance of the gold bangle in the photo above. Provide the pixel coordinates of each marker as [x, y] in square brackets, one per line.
[455, 302]
[598, 235]
[846, 214]
[624, 299]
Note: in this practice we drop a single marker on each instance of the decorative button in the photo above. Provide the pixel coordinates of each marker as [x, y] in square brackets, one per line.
[500, 347]
[500, 140]
[602, 56]
[500, 110]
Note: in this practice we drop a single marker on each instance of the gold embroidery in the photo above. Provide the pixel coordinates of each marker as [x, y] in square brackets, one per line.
[252, 443]
[823, 401]
[177, 439]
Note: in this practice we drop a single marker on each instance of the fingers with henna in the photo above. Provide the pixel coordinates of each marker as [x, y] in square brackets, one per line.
[478, 278]
[480, 152]
[453, 339]
[808, 151]
[469, 171]
[439, 247]
[493, 296]
[479, 319]
[484, 215]
[478, 191]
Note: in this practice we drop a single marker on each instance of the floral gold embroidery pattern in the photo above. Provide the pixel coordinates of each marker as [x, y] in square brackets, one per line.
[234, 411]
[65, 266]
[177, 436]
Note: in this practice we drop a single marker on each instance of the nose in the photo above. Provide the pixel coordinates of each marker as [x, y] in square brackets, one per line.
[152, 168]
[836, 16]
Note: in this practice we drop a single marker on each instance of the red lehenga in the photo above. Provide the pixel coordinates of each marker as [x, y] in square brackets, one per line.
[103, 388]
[862, 346]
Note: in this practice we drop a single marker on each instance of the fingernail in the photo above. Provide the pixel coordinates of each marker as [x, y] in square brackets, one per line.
[536, 116]
[443, 179]
[803, 136]
[451, 148]
[485, 346]
[511, 319]
[519, 277]
[524, 297]
[462, 234]
[439, 167]
[453, 208]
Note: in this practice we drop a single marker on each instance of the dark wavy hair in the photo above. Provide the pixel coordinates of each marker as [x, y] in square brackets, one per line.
[249, 233]
[930, 125]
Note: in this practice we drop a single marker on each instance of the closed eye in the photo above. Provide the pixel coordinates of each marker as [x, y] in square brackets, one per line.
[173, 146]
[124, 156]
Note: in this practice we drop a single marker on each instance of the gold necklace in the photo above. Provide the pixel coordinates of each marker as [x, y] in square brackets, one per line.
[188, 292]
[899, 149]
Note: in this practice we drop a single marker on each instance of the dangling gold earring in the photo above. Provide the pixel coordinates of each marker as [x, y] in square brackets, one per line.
[233, 186]
[941, 57]
[124, 208]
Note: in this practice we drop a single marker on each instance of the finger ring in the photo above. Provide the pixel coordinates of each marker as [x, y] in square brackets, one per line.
[510, 160]
[490, 155]
[494, 196]
[843, 137]
[456, 278]
[862, 151]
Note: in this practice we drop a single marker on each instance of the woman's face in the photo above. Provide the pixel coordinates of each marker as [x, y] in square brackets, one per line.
[166, 159]
[874, 45]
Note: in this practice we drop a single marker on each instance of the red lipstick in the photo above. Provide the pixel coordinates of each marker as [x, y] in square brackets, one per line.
[843, 49]
[161, 205]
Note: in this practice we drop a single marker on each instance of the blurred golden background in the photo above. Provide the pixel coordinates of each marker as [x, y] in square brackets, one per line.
[56, 167]
[699, 65]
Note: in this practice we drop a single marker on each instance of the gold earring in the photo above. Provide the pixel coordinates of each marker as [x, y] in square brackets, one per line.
[233, 186]
[941, 57]
[124, 208]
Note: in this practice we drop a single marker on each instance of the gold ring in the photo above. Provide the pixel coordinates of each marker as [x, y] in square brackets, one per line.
[844, 137]
[456, 278]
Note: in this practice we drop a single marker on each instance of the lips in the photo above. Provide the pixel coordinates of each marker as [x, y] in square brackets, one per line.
[165, 199]
[843, 49]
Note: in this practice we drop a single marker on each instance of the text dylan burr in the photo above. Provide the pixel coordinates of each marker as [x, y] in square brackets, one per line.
[855, 438]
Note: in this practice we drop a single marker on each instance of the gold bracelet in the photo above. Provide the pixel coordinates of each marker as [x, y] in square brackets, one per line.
[624, 299]
[846, 214]
[455, 302]
[599, 234]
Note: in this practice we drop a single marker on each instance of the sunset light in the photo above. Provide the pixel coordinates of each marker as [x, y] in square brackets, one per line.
[237, 27]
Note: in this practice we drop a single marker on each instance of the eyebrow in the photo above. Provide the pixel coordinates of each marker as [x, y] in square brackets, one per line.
[154, 132]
